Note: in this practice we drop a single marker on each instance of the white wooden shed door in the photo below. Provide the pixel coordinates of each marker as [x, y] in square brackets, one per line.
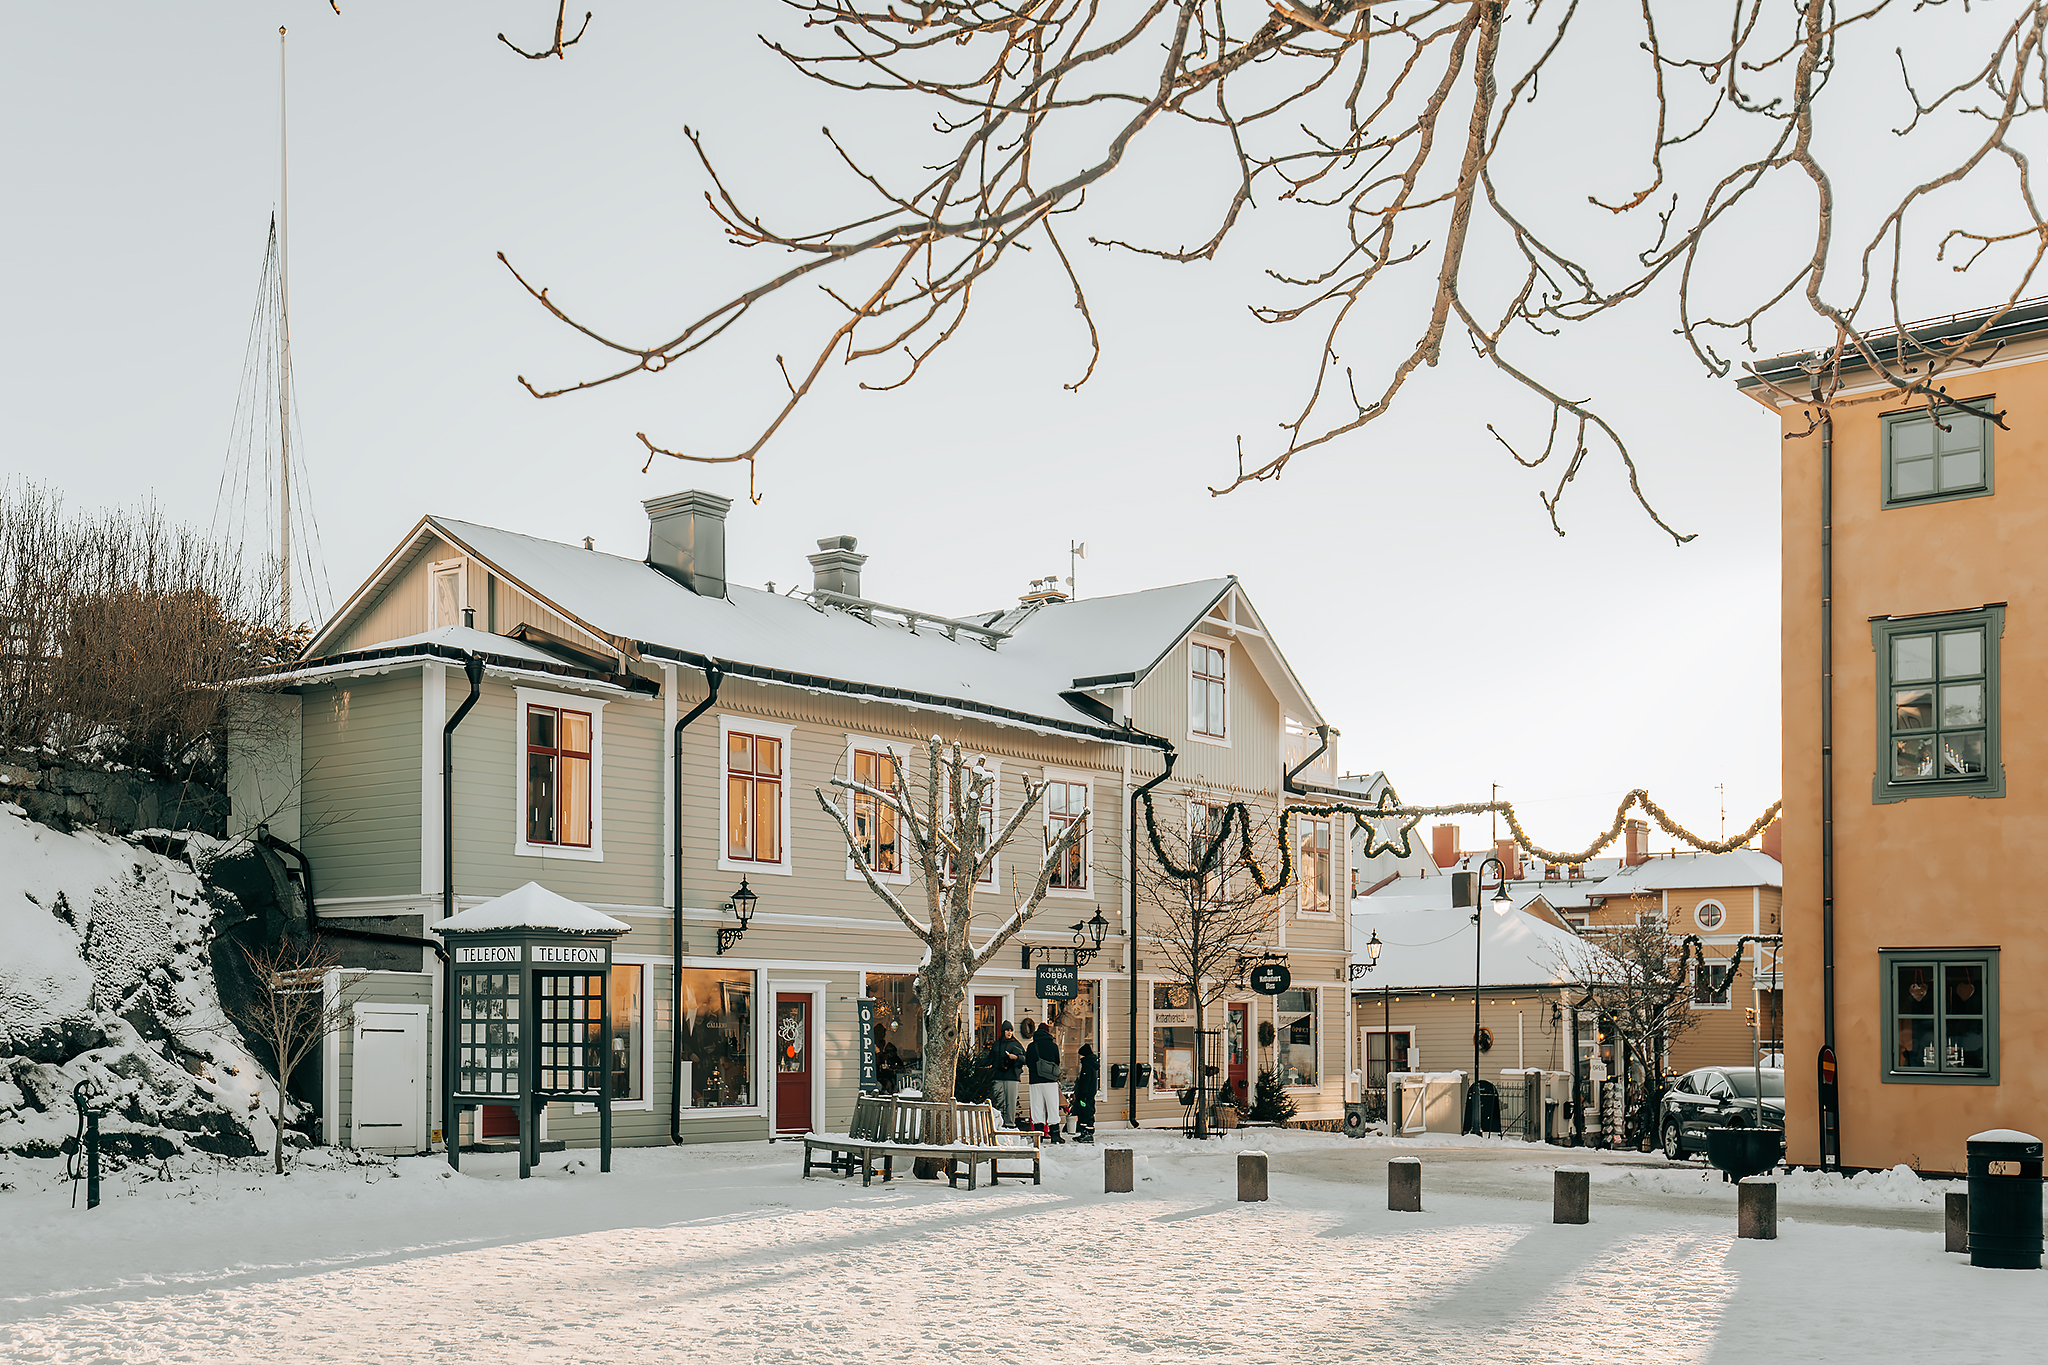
[388, 1079]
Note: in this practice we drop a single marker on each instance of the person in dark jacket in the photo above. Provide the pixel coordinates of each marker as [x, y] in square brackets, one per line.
[1007, 1056]
[1043, 1058]
[1085, 1085]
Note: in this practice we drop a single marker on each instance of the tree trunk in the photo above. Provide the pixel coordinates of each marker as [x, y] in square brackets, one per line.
[277, 1143]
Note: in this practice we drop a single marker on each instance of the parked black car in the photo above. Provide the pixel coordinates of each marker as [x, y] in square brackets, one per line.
[1718, 1097]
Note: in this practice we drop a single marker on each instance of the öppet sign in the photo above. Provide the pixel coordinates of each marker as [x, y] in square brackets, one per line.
[1058, 981]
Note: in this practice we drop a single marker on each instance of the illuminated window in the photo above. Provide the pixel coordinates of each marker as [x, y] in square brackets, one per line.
[874, 821]
[1066, 803]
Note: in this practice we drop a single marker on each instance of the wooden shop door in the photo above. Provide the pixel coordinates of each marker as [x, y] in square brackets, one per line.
[1238, 1051]
[792, 1063]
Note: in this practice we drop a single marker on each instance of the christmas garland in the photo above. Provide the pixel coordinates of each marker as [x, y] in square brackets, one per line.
[1406, 818]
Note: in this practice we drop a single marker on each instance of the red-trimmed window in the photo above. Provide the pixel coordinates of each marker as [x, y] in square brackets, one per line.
[557, 776]
[1066, 803]
[1207, 696]
[753, 798]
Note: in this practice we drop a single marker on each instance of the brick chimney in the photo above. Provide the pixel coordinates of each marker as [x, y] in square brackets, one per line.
[1772, 840]
[1635, 837]
[1443, 844]
[1510, 857]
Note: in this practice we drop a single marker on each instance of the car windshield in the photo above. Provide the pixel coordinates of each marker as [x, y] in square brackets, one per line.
[1745, 1084]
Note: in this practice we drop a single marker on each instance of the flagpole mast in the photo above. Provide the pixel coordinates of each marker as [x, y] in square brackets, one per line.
[284, 362]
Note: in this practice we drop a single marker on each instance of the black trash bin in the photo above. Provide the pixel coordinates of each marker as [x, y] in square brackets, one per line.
[2005, 1205]
[1482, 1108]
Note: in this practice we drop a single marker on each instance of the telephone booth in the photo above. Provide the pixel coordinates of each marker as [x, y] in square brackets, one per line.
[528, 1005]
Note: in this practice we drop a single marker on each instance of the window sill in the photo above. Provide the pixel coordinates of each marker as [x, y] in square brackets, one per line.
[781, 869]
[853, 874]
[1056, 893]
[618, 1107]
[1220, 742]
[1936, 1078]
[1892, 504]
[1884, 793]
[593, 854]
[732, 1111]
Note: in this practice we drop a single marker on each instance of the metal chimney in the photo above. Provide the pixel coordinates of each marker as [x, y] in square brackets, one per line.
[686, 539]
[837, 567]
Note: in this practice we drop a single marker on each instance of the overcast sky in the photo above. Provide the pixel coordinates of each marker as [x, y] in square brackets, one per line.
[1409, 571]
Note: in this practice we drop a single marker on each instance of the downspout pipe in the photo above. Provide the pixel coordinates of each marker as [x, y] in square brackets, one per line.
[313, 924]
[1166, 747]
[1827, 772]
[1287, 783]
[474, 668]
[713, 676]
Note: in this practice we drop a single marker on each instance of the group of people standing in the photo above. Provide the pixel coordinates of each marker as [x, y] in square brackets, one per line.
[1038, 1065]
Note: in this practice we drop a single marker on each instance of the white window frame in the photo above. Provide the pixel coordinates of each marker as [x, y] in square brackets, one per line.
[567, 701]
[1316, 1047]
[1229, 671]
[894, 748]
[774, 730]
[1301, 883]
[1087, 781]
[460, 566]
[995, 823]
[1719, 925]
[646, 964]
[763, 1033]
[1159, 1084]
[1692, 994]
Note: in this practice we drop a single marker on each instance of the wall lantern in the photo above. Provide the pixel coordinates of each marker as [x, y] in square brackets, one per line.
[1088, 937]
[1372, 957]
[742, 907]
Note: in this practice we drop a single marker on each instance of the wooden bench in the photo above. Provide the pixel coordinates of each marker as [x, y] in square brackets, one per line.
[885, 1127]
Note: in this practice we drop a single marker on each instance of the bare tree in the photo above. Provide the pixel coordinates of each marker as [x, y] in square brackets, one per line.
[561, 44]
[1637, 974]
[944, 828]
[289, 1012]
[1209, 926]
[1417, 140]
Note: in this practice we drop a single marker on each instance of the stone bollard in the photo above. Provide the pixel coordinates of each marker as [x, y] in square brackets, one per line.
[1252, 1181]
[1756, 1210]
[1404, 1184]
[1955, 1220]
[1119, 1171]
[1571, 1199]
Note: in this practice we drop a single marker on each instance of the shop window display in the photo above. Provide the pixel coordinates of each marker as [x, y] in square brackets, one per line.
[899, 1031]
[715, 1015]
[1073, 1022]
[1173, 1037]
[1294, 1037]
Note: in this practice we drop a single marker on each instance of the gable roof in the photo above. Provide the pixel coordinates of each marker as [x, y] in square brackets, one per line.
[1036, 677]
[1692, 872]
[1432, 949]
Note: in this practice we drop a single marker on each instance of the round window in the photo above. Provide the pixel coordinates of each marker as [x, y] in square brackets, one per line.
[1709, 914]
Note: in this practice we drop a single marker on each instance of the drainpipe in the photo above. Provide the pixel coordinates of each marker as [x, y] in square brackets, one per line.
[713, 676]
[451, 1121]
[319, 930]
[1827, 773]
[474, 668]
[1132, 939]
[1323, 732]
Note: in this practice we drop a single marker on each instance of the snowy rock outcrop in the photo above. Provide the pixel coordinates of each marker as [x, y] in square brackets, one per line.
[106, 979]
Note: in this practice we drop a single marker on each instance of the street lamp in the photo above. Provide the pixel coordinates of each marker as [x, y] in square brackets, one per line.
[742, 907]
[1502, 903]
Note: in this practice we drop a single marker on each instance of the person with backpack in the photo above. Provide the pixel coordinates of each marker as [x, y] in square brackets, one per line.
[1007, 1058]
[1084, 1095]
[1043, 1057]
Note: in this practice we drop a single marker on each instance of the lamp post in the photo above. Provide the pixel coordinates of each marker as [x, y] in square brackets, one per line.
[1502, 903]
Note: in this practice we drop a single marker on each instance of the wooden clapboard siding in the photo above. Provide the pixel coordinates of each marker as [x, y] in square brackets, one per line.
[384, 988]
[361, 800]
[1441, 1025]
[1251, 760]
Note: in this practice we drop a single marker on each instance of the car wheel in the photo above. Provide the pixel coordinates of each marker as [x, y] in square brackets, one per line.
[1672, 1150]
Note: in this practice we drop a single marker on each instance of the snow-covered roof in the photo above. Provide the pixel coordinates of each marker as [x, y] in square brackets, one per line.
[1053, 649]
[1692, 871]
[1432, 949]
[533, 906]
[473, 641]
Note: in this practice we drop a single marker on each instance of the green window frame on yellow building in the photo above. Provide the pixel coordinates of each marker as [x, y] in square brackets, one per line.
[1940, 1016]
[1938, 456]
[1937, 705]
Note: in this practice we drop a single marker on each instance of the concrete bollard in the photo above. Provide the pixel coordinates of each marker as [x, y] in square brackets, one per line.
[1252, 1177]
[1404, 1184]
[1119, 1171]
[1955, 1220]
[1756, 1210]
[1571, 1198]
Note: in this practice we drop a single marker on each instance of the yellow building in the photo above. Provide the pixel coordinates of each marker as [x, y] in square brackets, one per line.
[1916, 788]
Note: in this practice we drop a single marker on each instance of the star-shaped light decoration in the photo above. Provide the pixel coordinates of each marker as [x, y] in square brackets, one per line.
[1380, 831]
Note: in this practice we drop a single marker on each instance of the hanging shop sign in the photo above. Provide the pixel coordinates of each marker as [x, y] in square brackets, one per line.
[1058, 981]
[1271, 978]
[870, 1076]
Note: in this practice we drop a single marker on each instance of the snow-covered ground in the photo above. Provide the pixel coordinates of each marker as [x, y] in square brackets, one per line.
[722, 1253]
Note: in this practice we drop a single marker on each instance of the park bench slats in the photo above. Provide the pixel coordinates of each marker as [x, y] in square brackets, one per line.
[887, 1126]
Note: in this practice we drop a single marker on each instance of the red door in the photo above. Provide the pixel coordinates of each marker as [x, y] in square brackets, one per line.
[1238, 1052]
[500, 1121]
[792, 1063]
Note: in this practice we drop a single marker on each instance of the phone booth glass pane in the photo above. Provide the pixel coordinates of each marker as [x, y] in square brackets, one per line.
[571, 1031]
[487, 1012]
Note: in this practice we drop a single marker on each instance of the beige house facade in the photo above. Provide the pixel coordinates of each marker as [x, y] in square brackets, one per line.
[646, 736]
